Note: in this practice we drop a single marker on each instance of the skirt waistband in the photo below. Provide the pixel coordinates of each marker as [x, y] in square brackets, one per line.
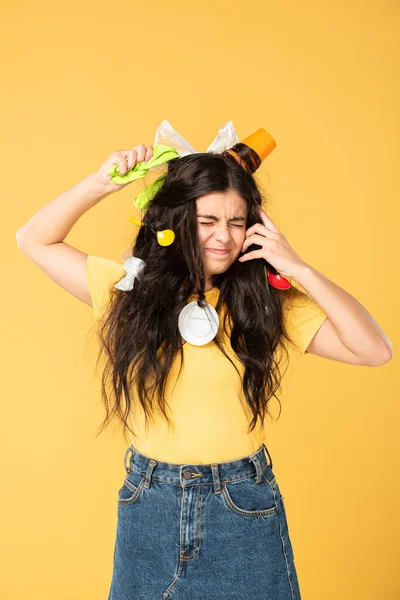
[187, 474]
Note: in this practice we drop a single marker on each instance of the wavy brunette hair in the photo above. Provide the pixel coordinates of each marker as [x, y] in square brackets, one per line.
[138, 333]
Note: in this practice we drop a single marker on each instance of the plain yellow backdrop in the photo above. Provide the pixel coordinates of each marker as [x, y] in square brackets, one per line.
[82, 79]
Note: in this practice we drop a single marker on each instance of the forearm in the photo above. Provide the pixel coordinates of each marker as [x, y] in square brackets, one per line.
[354, 325]
[52, 223]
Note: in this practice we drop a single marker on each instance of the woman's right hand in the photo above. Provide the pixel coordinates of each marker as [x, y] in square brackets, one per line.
[126, 160]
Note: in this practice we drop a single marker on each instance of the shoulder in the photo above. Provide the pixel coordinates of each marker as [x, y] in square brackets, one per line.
[101, 274]
[302, 317]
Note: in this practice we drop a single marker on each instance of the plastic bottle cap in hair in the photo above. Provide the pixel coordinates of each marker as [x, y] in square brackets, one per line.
[197, 325]
[262, 142]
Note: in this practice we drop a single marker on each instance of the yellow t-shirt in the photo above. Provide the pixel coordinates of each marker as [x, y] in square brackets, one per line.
[207, 406]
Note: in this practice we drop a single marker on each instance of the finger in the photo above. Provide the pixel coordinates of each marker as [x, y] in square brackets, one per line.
[264, 232]
[141, 152]
[130, 159]
[267, 221]
[250, 255]
[149, 153]
[127, 160]
[254, 239]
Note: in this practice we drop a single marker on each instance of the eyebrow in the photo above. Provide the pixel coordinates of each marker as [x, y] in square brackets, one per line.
[216, 219]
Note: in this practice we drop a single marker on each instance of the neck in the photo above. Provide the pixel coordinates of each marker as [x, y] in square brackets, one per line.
[208, 285]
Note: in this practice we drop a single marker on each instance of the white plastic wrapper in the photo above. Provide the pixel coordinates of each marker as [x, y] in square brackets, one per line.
[166, 135]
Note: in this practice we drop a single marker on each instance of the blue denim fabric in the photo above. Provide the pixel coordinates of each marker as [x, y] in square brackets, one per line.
[202, 532]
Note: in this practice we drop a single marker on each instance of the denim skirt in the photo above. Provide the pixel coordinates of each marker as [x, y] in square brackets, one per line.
[202, 532]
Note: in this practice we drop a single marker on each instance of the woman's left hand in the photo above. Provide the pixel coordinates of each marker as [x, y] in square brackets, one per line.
[274, 247]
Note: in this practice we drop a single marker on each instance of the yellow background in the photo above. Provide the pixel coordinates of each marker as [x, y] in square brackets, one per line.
[82, 79]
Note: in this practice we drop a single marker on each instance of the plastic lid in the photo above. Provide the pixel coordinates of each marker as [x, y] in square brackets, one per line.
[261, 141]
[197, 325]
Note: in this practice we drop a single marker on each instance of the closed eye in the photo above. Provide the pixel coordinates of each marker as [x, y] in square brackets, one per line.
[213, 224]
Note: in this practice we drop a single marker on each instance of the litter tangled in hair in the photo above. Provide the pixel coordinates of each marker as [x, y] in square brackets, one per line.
[139, 335]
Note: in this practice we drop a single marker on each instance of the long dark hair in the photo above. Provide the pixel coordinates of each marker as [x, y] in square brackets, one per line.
[139, 335]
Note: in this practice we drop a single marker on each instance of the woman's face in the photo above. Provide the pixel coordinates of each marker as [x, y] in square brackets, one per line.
[221, 222]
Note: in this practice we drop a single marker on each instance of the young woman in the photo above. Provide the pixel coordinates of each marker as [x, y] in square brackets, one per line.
[200, 511]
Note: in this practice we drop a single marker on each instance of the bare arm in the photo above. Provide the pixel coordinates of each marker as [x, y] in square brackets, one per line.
[42, 237]
[65, 265]
[52, 223]
[350, 334]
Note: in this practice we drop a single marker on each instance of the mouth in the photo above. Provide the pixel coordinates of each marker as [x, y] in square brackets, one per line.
[217, 252]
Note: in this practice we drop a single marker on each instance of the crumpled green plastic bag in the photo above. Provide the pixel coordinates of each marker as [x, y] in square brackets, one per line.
[161, 155]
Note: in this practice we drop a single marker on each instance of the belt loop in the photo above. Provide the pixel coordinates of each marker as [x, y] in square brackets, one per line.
[217, 482]
[152, 464]
[269, 456]
[254, 458]
[129, 449]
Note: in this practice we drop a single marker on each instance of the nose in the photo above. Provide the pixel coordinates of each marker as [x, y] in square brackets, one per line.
[222, 232]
